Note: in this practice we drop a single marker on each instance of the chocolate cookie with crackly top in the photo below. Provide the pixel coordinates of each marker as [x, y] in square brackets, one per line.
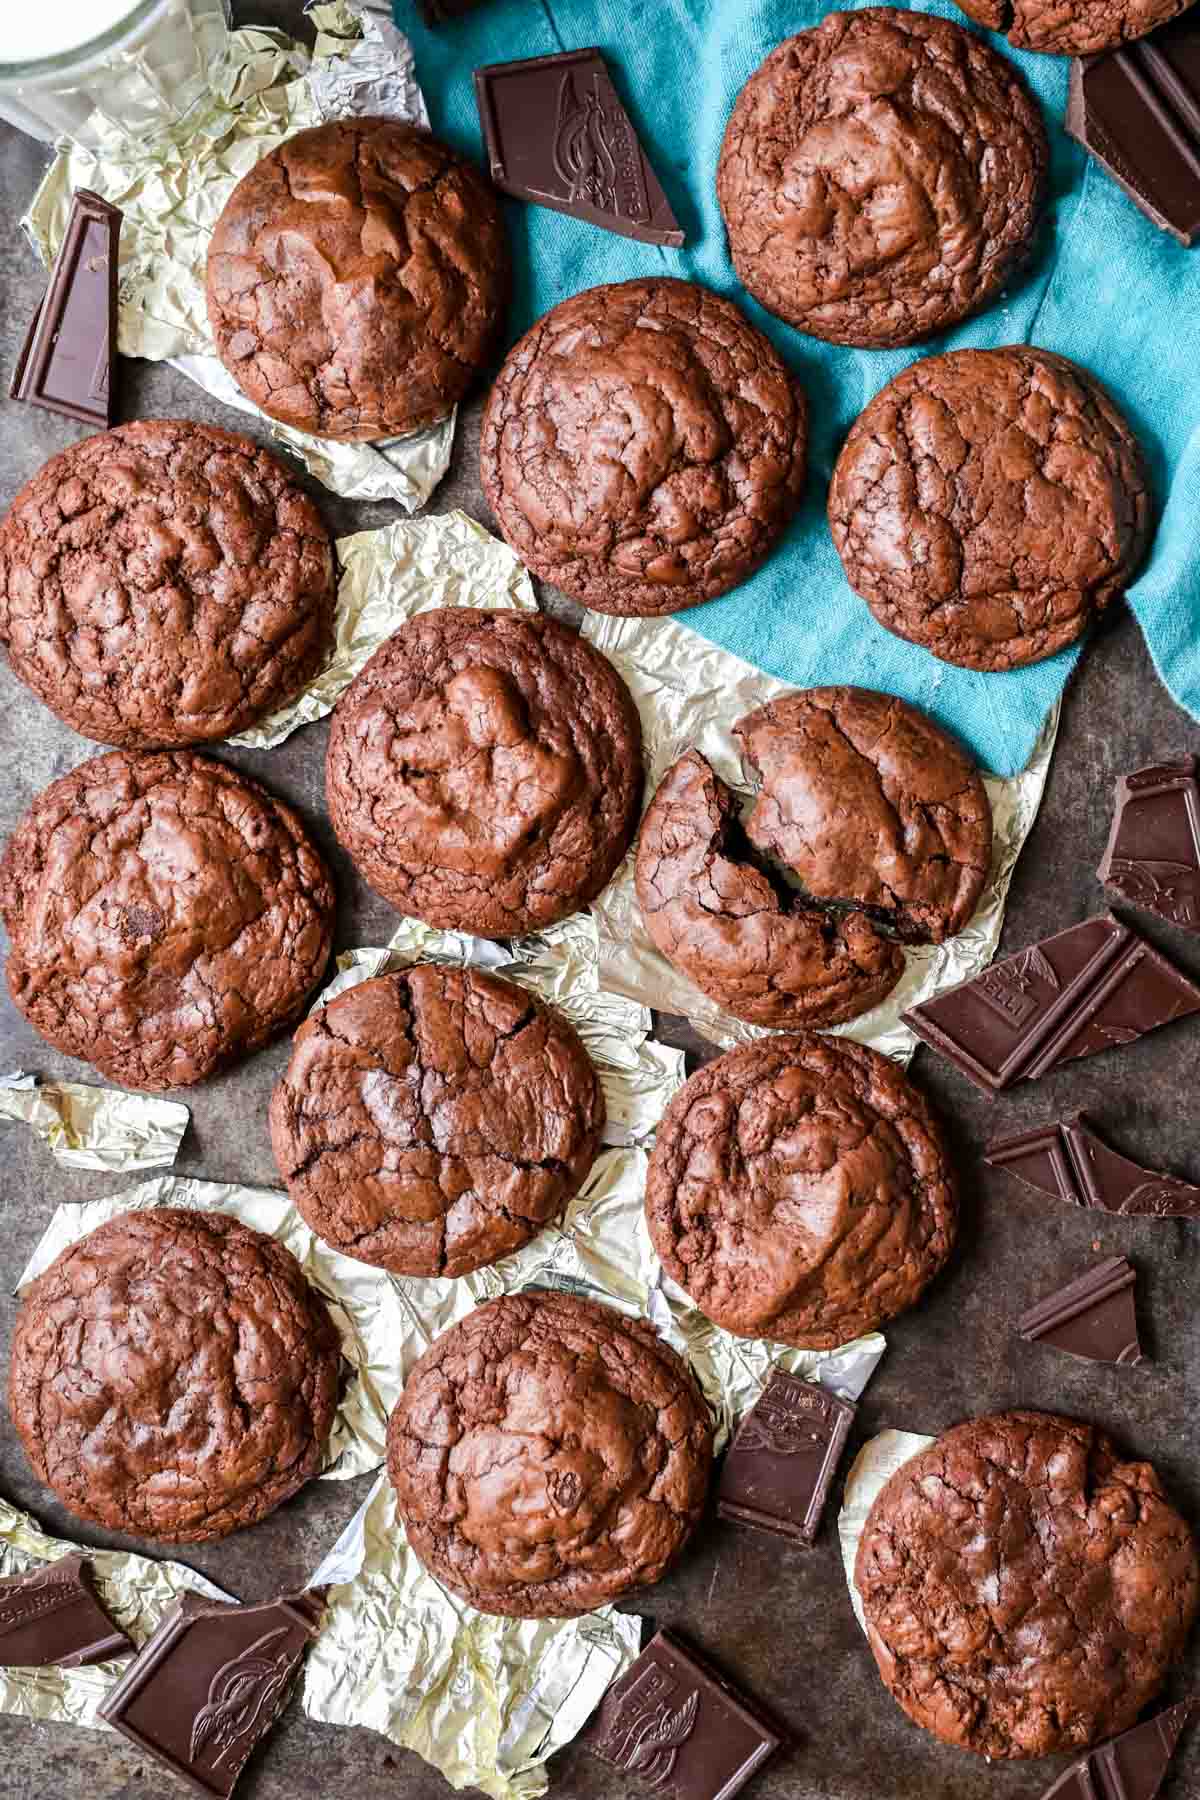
[990, 504]
[881, 177]
[435, 1120]
[485, 771]
[644, 447]
[549, 1455]
[801, 1190]
[1026, 1588]
[1072, 27]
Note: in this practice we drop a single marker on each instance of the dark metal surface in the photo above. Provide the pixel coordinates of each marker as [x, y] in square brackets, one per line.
[777, 1618]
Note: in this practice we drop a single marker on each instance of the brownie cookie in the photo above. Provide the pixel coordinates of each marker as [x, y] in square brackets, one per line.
[165, 584]
[867, 800]
[548, 1455]
[800, 1190]
[432, 1121]
[881, 177]
[736, 929]
[358, 279]
[166, 915]
[173, 1375]
[1072, 27]
[989, 504]
[485, 771]
[1025, 1589]
[644, 447]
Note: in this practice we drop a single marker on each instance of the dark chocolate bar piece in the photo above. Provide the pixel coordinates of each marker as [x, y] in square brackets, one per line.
[1152, 857]
[1093, 986]
[783, 1459]
[1068, 1160]
[1094, 1316]
[211, 1682]
[52, 1618]
[1137, 111]
[557, 134]
[679, 1727]
[1130, 1767]
[69, 356]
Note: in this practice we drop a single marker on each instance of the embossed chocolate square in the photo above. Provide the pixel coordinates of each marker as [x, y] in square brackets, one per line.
[52, 1618]
[679, 1728]
[781, 1464]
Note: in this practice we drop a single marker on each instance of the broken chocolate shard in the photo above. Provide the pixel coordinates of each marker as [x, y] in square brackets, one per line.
[1130, 1767]
[1152, 858]
[1094, 1316]
[678, 1727]
[68, 360]
[1087, 989]
[1070, 1161]
[783, 1459]
[1137, 111]
[558, 135]
[210, 1684]
[52, 1617]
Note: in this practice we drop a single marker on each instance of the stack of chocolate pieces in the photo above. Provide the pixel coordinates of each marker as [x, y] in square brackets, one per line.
[781, 1464]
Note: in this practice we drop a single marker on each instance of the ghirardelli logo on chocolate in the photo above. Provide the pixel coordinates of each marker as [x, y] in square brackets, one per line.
[786, 1421]
[647, 1731]
[1170, 889]
[243, 1692]
[596, 155]
[39, 1595]
[1011, 988]
[1164, 1199]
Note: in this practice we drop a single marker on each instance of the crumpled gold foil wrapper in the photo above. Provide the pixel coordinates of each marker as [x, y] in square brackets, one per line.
[873, 1468]
[96, 1128]
[134, 1590]
[387, 577]
[367, 1311]
[172, 185]
[690, 694]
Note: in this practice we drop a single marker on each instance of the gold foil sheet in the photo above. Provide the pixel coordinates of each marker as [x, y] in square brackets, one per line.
[134, 1590]
[88, 1127]
[172, 185]
[387, 577]
[690, 694]
[873, 1468]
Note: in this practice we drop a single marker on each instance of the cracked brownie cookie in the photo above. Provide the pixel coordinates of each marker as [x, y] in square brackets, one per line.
[644, 447]
[173, 1375]
[1026, 1590]
[358, 279]
[1072, 27]
[166, 915]
[868, 815]
[800, 1190]
[989, 504]
[433, 1121]
[549, 1455]
[881, 177]
[485, 771]
[165, 584]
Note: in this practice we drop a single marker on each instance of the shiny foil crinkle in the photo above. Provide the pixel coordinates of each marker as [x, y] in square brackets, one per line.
[172, 184]
[366, 1310]
[388, 577]
[135, 1591]
[690, 694]
[88, 1127]
[873, 1468]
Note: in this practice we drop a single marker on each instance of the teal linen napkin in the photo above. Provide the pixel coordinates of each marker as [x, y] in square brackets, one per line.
[1105, 288]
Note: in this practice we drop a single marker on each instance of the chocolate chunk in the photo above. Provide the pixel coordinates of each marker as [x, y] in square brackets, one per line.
[52, 1618]
[211, 1682]
[1085, 990]
[1137, 111]
[679, 1727]
[1067, 1159]
[1130, 1767]
[782, 1462]
[70, 352]
[557, 134]
[1152, 857]
[1093, 1316]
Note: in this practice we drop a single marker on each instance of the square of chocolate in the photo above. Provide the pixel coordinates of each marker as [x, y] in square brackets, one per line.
[51, 1617]
[783, 1458]
[678, 1727]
